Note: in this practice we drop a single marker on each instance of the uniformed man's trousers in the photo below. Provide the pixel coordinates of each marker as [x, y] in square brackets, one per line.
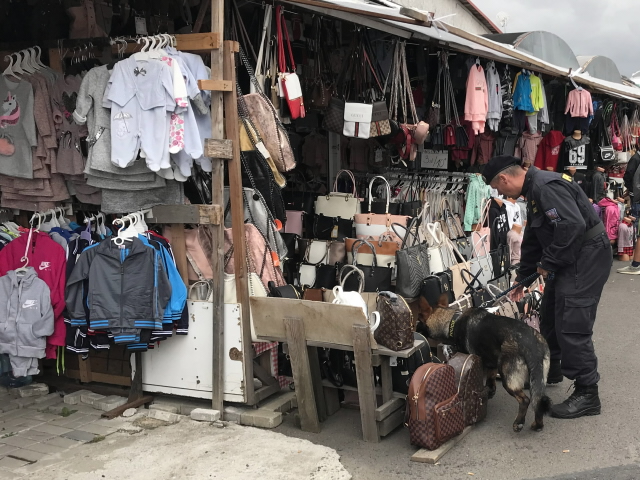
[569, 309]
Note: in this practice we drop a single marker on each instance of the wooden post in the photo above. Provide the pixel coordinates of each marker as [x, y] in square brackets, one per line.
[237, 219]
[366, 387]
[217, 232]
[296, 339]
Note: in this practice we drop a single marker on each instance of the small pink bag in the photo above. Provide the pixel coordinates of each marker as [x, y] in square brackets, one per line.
[294, 222]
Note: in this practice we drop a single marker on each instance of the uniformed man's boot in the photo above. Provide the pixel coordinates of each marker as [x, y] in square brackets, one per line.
[555, 373]
[583, 401]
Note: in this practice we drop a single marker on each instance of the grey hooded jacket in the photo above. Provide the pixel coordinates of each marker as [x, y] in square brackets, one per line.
[26, 315]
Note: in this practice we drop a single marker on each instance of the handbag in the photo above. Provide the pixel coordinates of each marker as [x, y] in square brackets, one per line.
[479, 294]
[289, 81]
[317, 276]
[285, 291]
[376, 278]
[381, 205]
[397, 325]
[481, 265]
[338, 204]
[412, 264]
[481, 235]
[294, 222]
[332, 228]
[434, 286]
[436, 243]
[500, 260]
[456, 264]
[318, 252]
[257, 174]
[373, 226]
[434, 412]
[411, 204]
[401, 374]
[334, 117]
[357, 120]
[470, 382]
[450, 224]
[385, 253]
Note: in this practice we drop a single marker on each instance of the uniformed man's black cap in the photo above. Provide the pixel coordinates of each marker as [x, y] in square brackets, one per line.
[498, 164]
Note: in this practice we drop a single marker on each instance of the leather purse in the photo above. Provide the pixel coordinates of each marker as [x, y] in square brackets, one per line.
[397, 325]
[481, 265]
[380, 125]
[338, 204]
[318, 252]
[318, 276]
[412, 264]
[334, 117]
[357, 120]
[436, 285]
[481, 235]
[289, 81]
[294, 222]
[376, 278]
[332, 228]
[380, 205]
[257, 174]
[285, 291]
[456, 264]
[434, 411]
[470, 382]
[385, 253]
[500, 260]
[479, 294]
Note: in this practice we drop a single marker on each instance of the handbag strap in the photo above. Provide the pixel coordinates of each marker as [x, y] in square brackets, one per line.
[194, 265]
[352, 269]
[353, 182]
[481, 241]
[283, 36]
[486, 206]
[356, 246]
[308, 251]
[386, 210]
[263, 53]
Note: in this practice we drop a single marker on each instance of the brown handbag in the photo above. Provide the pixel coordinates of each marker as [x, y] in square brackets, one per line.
[469, 378]
[434, 411]
[396, 322]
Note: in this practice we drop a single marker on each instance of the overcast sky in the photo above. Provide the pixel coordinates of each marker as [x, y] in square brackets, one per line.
[590, 27]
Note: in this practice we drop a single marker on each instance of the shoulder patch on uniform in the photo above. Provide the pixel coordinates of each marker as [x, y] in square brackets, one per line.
[568, 178]
[553, 215]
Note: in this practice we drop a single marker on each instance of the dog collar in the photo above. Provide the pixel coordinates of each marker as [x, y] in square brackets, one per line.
[452, 325]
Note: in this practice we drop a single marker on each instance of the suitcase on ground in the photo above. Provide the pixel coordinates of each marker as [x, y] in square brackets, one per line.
[434, 412]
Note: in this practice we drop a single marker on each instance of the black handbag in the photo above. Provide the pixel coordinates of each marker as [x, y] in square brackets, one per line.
[376, 278]
[412, 263]
[197, 188]
[478, 293]
[291, 242]
[401, 374]
[326, 276]
[501, 260]
[412, 204]
[257, 174]
[286, 291]
[464, 247]
[436, 285]
[437, 137]
[331, 228]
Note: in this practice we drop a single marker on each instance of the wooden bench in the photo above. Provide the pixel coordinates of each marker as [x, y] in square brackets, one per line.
[306, 325]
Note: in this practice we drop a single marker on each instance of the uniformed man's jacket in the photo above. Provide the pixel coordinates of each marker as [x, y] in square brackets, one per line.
[559, 214]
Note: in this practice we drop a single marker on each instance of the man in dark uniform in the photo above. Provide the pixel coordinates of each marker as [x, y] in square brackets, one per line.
[566, 243]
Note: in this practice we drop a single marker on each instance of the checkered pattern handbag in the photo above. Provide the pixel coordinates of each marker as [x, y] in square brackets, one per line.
[469, 379]
[434, 412]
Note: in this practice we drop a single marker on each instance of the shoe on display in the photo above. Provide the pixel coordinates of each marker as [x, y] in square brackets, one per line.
[555, 373]
[629, 270]
[583, 401]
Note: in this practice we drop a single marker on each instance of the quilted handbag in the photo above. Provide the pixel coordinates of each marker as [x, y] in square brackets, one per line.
[357, 120]
[413, 266]
[334, 116]
[332, 228]
[470, 382]
[338, 204]
[376, 278]
[434, 412]
[396, 322]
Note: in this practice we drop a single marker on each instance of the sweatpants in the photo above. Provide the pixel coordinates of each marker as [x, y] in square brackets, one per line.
[23, 366]
[569, 308]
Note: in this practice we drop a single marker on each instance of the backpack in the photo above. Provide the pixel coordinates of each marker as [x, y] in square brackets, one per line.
[434, 412]
[469, 378]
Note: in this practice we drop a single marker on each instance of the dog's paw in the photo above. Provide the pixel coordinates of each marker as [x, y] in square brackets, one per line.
[517, 427]
[536, 427]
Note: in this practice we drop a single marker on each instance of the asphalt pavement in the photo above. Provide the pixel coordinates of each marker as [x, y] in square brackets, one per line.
[606, 446]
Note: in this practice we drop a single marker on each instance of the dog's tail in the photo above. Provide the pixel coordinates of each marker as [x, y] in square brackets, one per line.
[538, 380]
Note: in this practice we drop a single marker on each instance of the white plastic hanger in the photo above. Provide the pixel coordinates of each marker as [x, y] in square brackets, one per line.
[9, 70]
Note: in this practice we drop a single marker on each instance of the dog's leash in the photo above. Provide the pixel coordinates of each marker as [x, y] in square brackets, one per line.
[531, 277]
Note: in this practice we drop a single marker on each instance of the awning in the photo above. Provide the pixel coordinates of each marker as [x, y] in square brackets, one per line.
[389, 19]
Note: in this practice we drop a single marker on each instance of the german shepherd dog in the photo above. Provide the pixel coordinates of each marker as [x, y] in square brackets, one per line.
[513, 349]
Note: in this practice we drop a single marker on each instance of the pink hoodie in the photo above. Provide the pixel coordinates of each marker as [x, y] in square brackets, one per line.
[610, 217]
[476, 104]
[579, 103]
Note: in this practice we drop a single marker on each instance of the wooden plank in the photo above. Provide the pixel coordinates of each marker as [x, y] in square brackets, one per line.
[387, 408]
[331, 400]
[215, 148]
[217, 232]
[55, 60]
[385, 379]
[237, 217]
[323, 322]
[418, 15]
[266, 392]
[216, 85]
[200, 214]
[366, 387]
[316, 380]
[116, 412]
[299, 354]
[84, 366]
[179, 246]
[136, 383]
[101, 378]
[198, 42]
[389, 424]
[205, 5]
[263, 375]
[432, 456]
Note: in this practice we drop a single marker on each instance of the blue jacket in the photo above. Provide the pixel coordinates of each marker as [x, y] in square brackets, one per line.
[522, 93]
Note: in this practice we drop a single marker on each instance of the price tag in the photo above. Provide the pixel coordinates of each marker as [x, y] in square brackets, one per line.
[334, 232]
[141, 26]
[434, 159]
[393, 361]
[263, 150]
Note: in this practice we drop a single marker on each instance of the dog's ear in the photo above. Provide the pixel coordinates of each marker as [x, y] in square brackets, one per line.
[443, 301]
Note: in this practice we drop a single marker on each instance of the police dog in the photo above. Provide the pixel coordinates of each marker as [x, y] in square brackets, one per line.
[511, 348]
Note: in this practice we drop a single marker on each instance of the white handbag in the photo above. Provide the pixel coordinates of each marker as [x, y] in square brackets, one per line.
[355, 299]
[435, 240]
[481, 265]
[372, 226]
[338, 204]
[357, 120]
[307, 275]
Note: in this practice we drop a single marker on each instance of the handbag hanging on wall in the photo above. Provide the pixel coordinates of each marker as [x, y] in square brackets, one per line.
[376, 278]
[413, 264]
[381, 205]
[481, 235]
[288, 80]
[338, 204]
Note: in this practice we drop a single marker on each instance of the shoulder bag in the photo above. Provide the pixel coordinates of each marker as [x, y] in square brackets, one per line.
[318, 252]
[289, 80]
[381, 205]
[374, 225]
[412, 264]
[456, 264]
[376, 278]
[479, 294]
[436, 285]
[385, 253]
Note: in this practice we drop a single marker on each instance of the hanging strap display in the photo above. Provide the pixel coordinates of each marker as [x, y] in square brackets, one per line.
[289, 80]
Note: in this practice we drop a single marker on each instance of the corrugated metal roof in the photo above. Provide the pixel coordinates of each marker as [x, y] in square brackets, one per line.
[479, 14]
